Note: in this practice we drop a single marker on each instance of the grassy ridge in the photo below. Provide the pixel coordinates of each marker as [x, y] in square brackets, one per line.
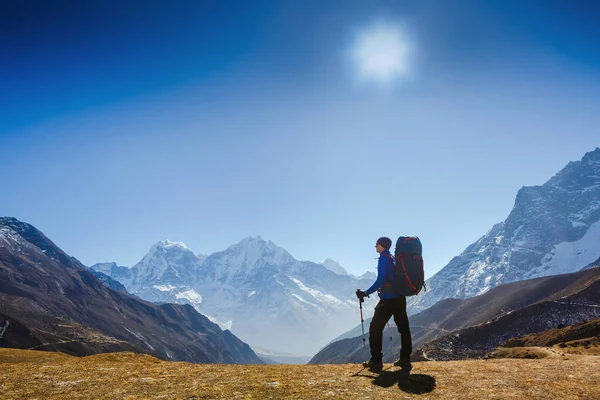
[44, 375]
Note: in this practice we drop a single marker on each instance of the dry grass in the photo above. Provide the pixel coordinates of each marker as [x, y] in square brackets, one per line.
[43, 375]
[575, 350]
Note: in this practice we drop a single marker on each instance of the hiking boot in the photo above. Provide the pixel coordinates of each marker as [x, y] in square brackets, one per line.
[404, 364]
[372, 364]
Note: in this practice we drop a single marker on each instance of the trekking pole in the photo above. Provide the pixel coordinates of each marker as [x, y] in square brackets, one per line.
[362, 323]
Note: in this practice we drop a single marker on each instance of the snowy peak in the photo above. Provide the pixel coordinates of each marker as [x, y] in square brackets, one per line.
[368, 275]
[560, 210]
[173, 250]
[165, 260]
[255, 249]
[552, 229]
[168, 245]
[106, 268]
[334, 266]
[123, 275]
[592, 156]
[579, 175]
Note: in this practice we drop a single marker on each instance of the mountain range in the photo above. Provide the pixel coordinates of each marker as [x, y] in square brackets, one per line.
[276, 302]
[254, 288]
[263, 295]
[50, 301]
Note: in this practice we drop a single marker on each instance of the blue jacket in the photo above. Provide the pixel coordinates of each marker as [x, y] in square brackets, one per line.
[385, 269]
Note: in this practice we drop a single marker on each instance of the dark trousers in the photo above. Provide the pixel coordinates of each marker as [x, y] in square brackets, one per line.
[383, 312]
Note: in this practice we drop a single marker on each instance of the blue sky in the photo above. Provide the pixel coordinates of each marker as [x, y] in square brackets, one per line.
[125, 123]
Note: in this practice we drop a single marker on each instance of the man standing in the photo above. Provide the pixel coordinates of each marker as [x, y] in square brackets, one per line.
[390, 303]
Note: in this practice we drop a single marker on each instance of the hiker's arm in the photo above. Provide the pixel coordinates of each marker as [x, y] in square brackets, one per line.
[380, 277]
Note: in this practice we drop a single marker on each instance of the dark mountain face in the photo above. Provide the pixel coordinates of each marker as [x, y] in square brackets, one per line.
[50, 301]
[453, 315]
[560, 334]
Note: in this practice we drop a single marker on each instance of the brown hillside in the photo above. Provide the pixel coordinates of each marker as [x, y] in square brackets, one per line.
[589, 331]
[572, 341]
[44, 375]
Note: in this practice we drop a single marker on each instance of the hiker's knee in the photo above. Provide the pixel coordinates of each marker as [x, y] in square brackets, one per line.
[376, 328]
[401, 323]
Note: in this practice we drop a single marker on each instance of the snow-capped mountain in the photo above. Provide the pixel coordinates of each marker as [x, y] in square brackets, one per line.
[162, 276]
[255, 288]
[334, 266]
[116, 272]
[552, 229]
[369, 275]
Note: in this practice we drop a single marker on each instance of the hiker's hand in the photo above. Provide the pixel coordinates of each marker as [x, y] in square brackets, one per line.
[361, 295]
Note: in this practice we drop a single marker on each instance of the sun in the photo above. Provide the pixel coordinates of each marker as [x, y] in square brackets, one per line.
[381, 53]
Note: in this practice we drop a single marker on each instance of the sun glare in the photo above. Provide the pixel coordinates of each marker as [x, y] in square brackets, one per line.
[381, 53]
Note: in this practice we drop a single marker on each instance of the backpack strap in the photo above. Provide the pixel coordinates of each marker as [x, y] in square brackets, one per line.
[387, 280]
[406, 274]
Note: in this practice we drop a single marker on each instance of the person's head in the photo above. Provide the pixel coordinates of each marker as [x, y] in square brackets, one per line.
[383, 243]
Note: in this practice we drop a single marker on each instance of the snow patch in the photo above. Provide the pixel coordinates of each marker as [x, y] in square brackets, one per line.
[14, 240]
[168, 245]
[164, 288]
[252, 293]
[140, 337]
[191, 295]
[60, 288]
[321, 297]
[303, 301]
[578, 224]
[223, 326]
[569, 257]
[587, 211]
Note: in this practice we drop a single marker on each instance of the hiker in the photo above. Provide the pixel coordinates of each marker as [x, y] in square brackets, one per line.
[390, 303]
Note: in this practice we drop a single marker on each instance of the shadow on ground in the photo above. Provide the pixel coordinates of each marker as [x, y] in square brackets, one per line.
[413, 383]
